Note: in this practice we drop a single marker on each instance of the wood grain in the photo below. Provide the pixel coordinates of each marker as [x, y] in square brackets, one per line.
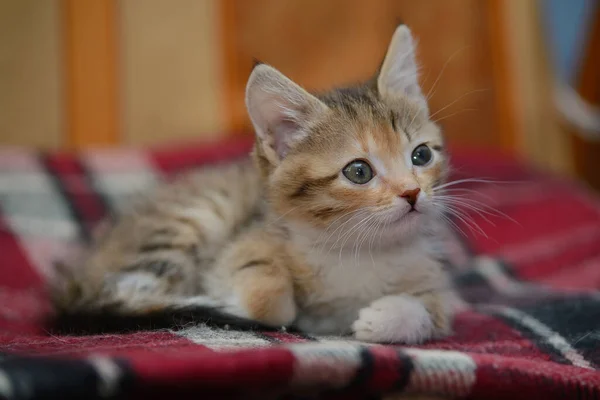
[172, 71]
[524, 85]
[507, 105]
[587, 154]
[90, 44]
[31, 78]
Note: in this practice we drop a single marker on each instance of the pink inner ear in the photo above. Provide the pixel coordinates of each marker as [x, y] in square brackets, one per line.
[286, 133]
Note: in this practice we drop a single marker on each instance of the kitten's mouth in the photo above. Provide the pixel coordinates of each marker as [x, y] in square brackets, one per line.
[409, 215]
[413, 212]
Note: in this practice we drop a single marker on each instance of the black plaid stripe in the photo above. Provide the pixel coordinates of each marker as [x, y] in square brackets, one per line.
[546, 339]
[576, 318]
[73, 210]
[46, 378]
[100, 196]
[493, 281]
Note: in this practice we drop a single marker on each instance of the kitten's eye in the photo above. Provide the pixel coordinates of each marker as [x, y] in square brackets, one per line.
[421, 156]
[358, 171]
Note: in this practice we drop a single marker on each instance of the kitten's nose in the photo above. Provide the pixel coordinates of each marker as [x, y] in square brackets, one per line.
[411, 196]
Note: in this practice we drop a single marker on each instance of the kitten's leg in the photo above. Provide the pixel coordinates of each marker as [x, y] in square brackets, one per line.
[253, 279]
[421, 307]
[404, 318]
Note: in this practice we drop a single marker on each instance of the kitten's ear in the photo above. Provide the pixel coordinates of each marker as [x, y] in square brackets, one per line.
[399, 73]
[280, 111]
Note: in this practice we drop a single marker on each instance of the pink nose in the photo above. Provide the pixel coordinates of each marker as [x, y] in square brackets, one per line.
[411, 196]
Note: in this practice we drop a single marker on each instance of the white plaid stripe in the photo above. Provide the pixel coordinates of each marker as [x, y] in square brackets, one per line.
[26, 226]
[6, 387]
[33, 206]
[36, 213]
[23, 182]
[109, 373]
[491, 270]
[119, 175]
[221, 339]
[32, 183]
[440, 372]
[331, 364]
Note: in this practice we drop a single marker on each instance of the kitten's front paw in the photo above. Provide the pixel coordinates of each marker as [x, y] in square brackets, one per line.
[394, 319]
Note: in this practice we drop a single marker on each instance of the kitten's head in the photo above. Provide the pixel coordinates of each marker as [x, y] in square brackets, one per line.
[367, 152]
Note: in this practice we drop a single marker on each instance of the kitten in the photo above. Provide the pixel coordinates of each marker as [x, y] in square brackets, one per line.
[329, 228]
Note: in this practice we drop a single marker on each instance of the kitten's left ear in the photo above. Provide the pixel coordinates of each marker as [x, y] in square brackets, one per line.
[280, 111]
[399, 73]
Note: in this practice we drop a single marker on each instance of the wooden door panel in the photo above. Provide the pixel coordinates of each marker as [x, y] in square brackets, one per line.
[336, 42]
[586, 153]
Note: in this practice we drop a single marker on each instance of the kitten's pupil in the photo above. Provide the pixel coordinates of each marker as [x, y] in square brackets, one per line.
[358, 172]
[421, 155]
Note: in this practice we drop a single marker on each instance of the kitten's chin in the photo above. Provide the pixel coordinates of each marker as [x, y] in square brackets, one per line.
[405, 225]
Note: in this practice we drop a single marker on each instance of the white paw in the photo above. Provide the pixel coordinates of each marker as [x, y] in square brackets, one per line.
[394, 319]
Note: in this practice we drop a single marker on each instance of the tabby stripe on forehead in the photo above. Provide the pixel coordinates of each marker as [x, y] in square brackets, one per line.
[349, 109]
[311, 185]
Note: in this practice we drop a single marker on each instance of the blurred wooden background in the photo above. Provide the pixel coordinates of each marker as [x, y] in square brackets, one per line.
[82, 73]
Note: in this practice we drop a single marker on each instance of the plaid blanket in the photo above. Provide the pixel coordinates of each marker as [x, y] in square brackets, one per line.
[532, 330]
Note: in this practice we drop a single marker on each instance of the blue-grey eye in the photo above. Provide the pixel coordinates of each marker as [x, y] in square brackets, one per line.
[358, 171]
[421, 156]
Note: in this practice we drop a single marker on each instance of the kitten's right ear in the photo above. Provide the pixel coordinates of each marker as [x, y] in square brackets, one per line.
[398, 74]
[279, 110]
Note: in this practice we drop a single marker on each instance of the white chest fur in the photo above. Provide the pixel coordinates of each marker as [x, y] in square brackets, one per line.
[350, 280]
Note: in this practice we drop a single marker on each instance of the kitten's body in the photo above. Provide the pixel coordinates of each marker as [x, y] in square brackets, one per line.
[288, 239]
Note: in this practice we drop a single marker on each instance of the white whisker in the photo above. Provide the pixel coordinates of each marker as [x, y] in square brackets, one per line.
[467, 180]
[474, 209]
[453, 114]
[281, 216]
[365, 236]
[473, 226]
[474, 205]
[351, 232]
[357, 214]
[457, 100]
[318, 241]
[345, 235]
[476, 192]
[434, 86]
[453, 224]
